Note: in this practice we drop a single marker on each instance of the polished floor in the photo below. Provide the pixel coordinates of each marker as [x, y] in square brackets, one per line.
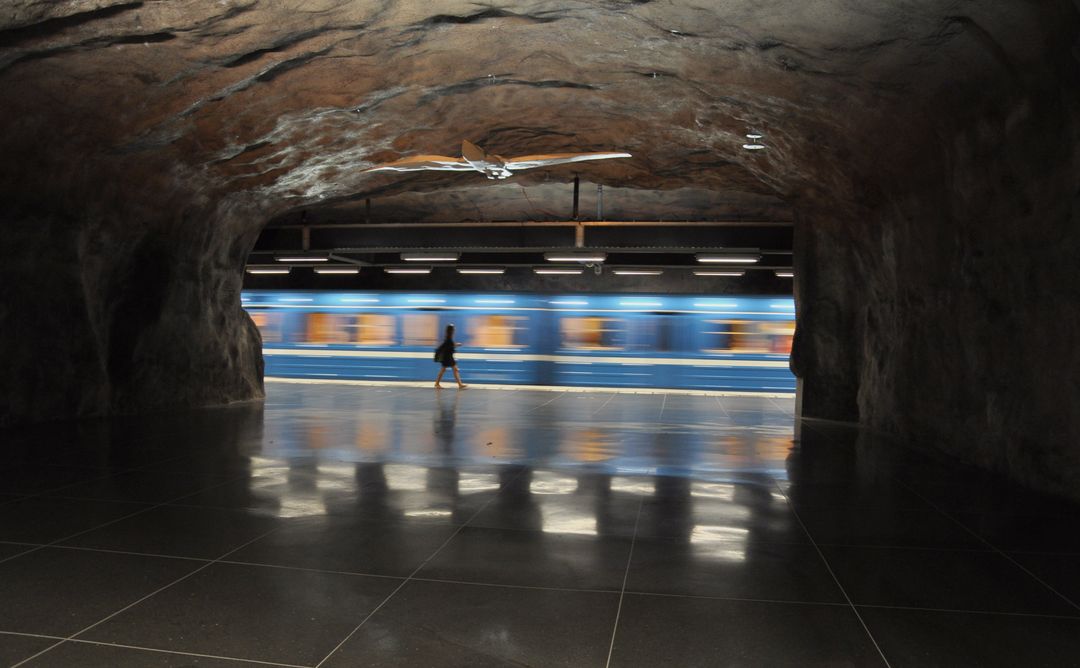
[400, 526]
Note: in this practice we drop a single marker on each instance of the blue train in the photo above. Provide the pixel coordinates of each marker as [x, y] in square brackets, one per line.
[632, 340]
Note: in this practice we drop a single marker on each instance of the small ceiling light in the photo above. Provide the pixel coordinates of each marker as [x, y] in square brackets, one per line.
[301, 258]
[754, 135]
[558, 270]
[269, 270]
[785, 274]
[337, 270]
[754, 144]
[564, 256]
[729, 274]
[441, 256]
[407, 270]
[638, 272]
[727, 259]
[481, 270]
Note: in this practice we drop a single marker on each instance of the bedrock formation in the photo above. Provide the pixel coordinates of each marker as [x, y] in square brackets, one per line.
[927, 151]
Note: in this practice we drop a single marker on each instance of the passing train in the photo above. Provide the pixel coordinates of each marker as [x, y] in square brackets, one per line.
[597, 340]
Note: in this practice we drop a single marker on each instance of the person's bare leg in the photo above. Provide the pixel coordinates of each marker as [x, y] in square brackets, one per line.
[439, 377]
[457, 377]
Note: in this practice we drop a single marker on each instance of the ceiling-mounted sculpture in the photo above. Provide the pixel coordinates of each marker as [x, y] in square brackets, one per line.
[474, 158]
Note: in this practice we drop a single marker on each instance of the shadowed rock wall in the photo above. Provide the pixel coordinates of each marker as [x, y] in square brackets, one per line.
[945, 307]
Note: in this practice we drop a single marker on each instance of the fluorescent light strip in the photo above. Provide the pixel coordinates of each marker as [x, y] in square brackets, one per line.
[637, 272]
[480, 270]
[559, 271]
[575, 257]
[785, 274]
[495, 301]
[407, 270]
[296, 299]
[570, 302]
[715, 304]
[731, 274]
[427, 301]
[360, 300]
[337, 270]
[297, 258]
[728, 259]
[754, 147]
[430, 257]
[280, 270]
[641, 304]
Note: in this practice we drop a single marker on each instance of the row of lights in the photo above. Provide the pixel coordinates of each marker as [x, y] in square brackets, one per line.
[553, 271]
[584, 257]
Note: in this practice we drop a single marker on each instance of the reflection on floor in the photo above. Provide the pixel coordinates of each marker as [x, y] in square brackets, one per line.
[357, 526]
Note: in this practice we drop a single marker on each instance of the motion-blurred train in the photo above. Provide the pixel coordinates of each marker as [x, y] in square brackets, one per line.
[631, 340]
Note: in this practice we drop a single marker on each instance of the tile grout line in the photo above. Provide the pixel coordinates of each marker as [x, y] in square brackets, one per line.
[829, 568]
[153, 593]
[993, 547]
[404, 582]
[626, 577]
[146, 509]
[603, 405]
[165, 651]
[722, 408]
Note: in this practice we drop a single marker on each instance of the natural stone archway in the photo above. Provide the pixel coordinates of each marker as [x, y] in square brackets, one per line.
[928, 148]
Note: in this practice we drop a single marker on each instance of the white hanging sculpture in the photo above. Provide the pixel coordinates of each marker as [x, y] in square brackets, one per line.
[493, 166]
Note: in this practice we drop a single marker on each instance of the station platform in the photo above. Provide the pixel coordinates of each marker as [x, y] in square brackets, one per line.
[355, 525]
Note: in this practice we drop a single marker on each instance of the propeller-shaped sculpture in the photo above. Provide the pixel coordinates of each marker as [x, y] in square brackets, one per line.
[493, 166]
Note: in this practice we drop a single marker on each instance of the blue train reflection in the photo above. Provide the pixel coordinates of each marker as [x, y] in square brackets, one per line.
[648, 341]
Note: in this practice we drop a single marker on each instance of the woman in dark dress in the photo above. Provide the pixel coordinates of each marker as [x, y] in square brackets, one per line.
[446, 357]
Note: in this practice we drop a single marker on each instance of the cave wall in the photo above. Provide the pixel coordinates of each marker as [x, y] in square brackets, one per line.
[943, 306]
[103, 316]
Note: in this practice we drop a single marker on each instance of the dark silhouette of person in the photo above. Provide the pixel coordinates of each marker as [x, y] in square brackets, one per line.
[445, 355]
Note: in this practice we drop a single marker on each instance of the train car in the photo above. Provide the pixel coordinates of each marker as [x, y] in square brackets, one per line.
[648, 341]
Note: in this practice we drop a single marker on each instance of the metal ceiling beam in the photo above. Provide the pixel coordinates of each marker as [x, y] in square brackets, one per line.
[558, 223]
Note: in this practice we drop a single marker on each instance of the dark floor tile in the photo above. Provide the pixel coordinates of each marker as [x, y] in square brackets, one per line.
[611, 517]
[856, 495]
[345, 544]
[139, 486]
[1026, 533]
[928, 639]
[735, 569]
[443, 624]
[206, 533]
[91, 655]
[37, 479]
[886, 527]
[1060, 571]
[43, 520]
[681, 519]
[57, 591]
[250, 612]
[16, 648]
[673, 631]
[975, 493]
[532, 558]
[940, 579]
[8, 550]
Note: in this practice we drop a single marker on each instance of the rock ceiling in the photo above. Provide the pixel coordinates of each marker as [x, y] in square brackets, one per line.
[283, 104]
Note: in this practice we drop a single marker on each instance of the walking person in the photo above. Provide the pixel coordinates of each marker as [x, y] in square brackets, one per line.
[444, 354]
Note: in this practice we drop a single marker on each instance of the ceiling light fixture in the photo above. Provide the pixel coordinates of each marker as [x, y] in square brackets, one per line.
[442, 256]
[337, 270]
[558, 270]
[729, 274]
[638, 272]
[481, 270]
[269, 270]
[564, 256]
[301, 258]
[727, 259]
[785, 274]
[407, 270]
[754, 144]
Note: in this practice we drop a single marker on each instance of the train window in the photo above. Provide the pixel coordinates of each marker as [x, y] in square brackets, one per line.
[375, 329]
[328, 328]
[496, 331]
[420, 329]
[734, 336]
[780, 335]
[592, 333]
[269, 324]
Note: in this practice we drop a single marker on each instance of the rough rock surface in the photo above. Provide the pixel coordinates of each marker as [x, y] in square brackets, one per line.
[927, 149]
